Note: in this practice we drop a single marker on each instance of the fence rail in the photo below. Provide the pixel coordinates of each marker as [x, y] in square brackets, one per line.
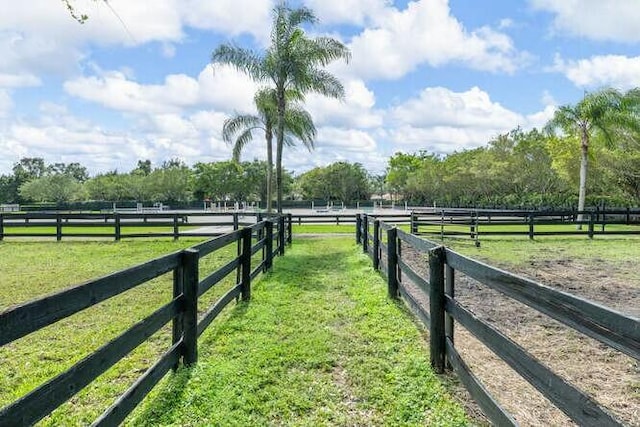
[608, 326]
[182, 311]
[475, 223]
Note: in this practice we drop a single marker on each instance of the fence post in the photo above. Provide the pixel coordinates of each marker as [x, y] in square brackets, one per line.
[591, 221]
[392, 260]
[268, 245]
[245, 261]
[414, 223]
[58, 227]
[176, 230]
[190, 313]
[289, 229]
[116, 222]
[235, 221]
[1, 227]
[436, 308]
[365, 234]
[449, 290]
[531, 233]
[376, 244]
[178, 287]
[281, 236]
[358, 229]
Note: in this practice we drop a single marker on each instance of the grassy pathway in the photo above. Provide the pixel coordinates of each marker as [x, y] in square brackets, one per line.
[319, 344]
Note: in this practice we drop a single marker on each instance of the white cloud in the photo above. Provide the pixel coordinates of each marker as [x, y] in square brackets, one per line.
[438, 106]
[224, 88]
[615, 20]
[39, 36]
[426, 32]
[231, 17]
[442, 121]
[619, 71]
[18, 80]
[6, 103]
[356, 110]
[348, 11]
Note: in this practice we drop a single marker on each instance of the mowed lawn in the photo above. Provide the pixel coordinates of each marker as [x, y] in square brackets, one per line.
[319, 343]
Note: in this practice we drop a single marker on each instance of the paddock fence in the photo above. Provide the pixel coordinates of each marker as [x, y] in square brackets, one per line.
[267, 238]
[475, 223]
[384, 242]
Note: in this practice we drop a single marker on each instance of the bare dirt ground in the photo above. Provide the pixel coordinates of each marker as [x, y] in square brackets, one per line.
[609, 376]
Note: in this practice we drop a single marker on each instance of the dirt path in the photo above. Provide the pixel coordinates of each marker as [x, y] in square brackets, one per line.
[612, 378]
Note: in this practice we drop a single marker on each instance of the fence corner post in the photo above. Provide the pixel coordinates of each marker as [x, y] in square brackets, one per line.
[245, 261]
[437, 340]
[190, 313]
[268, 245]
[392, 261]
[376, 244]
[358, 229]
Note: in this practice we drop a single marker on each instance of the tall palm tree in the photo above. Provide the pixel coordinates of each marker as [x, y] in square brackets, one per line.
[293, 61]
[608, 114]
[239, 129]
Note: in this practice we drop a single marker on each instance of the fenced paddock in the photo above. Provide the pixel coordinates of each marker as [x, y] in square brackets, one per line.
[256, 247]
[118, 226]
[475, 223]
[429, 289]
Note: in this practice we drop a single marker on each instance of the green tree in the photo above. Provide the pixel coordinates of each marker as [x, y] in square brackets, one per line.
[217, 180]
[240, 128]
[340, 181]
[607, 114]
[293, 61]
[400, 167]
[58, 188]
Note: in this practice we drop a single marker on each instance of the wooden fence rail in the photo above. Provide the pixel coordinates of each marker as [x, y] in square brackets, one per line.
[182, 311]
[609, 327]
[476, 223]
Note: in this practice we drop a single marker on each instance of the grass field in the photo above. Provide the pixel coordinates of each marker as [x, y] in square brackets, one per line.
[8, 232]
[33, 269]
[318, 344]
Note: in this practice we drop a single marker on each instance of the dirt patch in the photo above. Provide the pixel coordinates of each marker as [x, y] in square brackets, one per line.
[609, 376]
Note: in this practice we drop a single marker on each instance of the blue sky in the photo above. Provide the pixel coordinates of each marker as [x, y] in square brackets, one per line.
[431, 75]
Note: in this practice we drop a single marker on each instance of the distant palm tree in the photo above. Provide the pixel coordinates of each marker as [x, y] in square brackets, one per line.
[608, 114]
[240, 128]
[293, 61]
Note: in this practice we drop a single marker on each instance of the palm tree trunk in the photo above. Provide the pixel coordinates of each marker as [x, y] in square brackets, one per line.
[584, 157]
[269, 138]
[279, 145]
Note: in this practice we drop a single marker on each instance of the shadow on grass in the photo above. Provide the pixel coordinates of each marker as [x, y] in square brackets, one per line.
[162, 407]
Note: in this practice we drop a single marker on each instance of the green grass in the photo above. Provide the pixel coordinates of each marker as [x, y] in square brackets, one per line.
[34, 269]
[319, 344]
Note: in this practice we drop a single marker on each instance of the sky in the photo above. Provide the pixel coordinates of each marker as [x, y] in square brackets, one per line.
[135, 82]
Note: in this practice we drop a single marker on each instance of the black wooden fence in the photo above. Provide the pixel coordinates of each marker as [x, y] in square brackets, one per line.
[271, 236]
[383, 243]
[123, 225]
[478, 222]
